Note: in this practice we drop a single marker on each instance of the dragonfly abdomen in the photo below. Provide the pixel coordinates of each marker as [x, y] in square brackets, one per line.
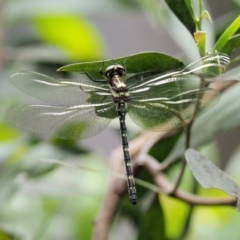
[132, 192]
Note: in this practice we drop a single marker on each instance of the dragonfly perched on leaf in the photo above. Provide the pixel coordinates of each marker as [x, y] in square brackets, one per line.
[84, 107]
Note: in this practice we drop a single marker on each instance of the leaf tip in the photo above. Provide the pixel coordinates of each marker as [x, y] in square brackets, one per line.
[61, 69]
[206, 15]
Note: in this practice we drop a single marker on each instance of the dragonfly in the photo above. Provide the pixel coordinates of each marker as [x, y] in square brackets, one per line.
[83, 107]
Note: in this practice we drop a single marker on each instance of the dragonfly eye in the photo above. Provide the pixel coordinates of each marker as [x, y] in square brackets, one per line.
[115, 69]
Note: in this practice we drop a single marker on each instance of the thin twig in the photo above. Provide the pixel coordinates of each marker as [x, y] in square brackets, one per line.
[153, 167]
[187, 131]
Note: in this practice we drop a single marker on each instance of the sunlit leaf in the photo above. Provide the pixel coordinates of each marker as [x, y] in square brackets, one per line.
[175, 212]
[75, 35]
[181, 10]
[232, 44]
[140, 62]
[227, 34]
[210, 176]
[7, 132]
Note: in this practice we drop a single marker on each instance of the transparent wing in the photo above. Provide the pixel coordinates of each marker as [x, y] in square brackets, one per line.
[205, 68]
[209, 66]
[168, 89]
[62, 121]
[164, 113]
[58, 91]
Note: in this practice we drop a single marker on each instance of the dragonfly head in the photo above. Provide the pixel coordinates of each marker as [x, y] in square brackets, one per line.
[115, 69]
[114, 74]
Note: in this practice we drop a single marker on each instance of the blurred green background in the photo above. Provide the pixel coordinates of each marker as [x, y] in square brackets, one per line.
[44, 200]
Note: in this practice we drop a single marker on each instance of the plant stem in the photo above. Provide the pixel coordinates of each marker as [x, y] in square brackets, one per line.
[198, 20]
[200, 14]
[187, 130]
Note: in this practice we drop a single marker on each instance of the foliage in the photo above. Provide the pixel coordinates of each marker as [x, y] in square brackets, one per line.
[136, 63]
[83, 46]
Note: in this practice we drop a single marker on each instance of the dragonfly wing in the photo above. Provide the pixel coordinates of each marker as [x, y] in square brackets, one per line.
[58, 91]
[208, 67]
[63, 121]
[164, 113]
[205, 69]
[168, 88]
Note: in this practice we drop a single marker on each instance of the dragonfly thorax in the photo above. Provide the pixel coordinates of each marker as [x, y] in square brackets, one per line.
[114, 74]
[118, 87]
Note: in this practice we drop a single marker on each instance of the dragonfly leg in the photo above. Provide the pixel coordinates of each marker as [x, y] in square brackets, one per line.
[101, 69]
[124, 65]
[89, 76]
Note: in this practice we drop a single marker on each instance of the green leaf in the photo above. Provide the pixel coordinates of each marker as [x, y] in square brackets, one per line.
[4, 236]
[175, 213]
[152, 223]
[73, 34]
[232, 44]
[227, 34]
[189, 4]
[183, 13]
[209, 176]
[140, 62]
